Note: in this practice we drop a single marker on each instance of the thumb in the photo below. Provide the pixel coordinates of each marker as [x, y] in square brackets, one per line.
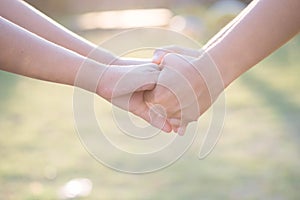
[158, 56]
[144, 79]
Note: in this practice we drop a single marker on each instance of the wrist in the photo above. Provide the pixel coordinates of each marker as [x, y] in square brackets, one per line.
[210, 76]
[226, 66]
[89, 75]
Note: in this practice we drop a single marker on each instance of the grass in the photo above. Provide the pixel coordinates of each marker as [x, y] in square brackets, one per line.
[257, 156]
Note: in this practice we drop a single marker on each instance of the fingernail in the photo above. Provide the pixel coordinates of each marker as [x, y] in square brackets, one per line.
[181, 131]
[175, 130]
[156, 59]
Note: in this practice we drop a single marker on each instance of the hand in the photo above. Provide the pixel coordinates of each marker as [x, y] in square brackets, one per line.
[186, 88]
[161, 52]
[175, 93]
[124, 87]
[121, 80]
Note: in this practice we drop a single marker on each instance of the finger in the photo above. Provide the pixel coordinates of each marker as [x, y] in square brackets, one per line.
[158, 56]
[181, 130]
[175, 123]
[160, 53]
[156, 99]
[159, 110]
[143, 77]
[175, 129]
[140, 108]
[157, 117]
[135, 104]
[178, 126]
[159, 121]
[156, 120]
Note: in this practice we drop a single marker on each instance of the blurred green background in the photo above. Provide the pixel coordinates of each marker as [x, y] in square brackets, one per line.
[257, 156]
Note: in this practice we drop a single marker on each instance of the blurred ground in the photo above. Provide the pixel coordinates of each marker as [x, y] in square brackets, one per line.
[256, 158]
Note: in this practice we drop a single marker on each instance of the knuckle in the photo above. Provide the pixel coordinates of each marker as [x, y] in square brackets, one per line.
[148, 96]
[157, 98]
[169, 57]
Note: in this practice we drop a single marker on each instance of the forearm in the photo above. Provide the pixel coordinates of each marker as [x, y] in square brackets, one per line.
[27, 54]
[24, 15]
[266, 26]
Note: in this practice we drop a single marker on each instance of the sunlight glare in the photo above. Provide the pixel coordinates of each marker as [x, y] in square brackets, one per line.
[125, 19]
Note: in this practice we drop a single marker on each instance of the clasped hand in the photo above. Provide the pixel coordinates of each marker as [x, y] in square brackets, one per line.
[175, 92]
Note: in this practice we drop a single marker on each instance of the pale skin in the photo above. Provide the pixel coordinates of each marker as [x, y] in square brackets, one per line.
[24, 15]
[54, 54]
[260, 29]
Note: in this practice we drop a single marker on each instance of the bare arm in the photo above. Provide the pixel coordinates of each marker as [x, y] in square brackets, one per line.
[24, 15]
[264, 27]
[27, 54]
